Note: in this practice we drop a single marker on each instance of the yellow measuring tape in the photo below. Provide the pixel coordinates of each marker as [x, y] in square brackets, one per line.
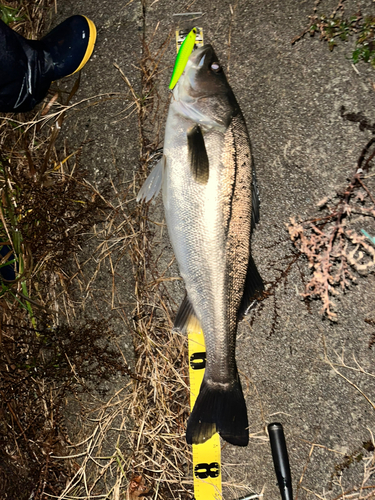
[206, 456]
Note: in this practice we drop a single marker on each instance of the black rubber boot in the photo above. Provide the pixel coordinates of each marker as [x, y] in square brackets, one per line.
[28, 67]
[7, 272]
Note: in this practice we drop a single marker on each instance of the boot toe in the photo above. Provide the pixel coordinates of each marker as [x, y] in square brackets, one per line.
[70, 45]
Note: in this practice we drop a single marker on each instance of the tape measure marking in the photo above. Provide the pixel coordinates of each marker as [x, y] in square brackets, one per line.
[206, 456]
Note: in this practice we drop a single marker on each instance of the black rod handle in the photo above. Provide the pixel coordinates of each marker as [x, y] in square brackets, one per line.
[281, 460]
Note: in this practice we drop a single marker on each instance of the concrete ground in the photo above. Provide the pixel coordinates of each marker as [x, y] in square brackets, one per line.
[291, 97]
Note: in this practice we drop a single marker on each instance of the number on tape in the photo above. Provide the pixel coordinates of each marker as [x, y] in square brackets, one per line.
[203, 471]
[198, 361]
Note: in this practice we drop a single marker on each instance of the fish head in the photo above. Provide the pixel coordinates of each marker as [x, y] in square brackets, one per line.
[203, 93]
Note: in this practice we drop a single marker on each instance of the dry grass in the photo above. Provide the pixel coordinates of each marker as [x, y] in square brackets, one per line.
[363, 458]
[150, 413]
[46, 207]
[132, 442]
[31, 16]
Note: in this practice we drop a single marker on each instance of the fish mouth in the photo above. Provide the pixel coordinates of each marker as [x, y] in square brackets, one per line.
[199, 56]
[197, 64]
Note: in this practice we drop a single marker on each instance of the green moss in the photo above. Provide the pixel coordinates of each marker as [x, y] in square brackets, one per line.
[335, 28]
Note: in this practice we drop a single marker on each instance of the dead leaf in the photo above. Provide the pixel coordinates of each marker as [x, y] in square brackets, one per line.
[137, 487]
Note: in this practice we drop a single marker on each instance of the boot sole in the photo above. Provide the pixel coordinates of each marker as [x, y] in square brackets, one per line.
[90, 45]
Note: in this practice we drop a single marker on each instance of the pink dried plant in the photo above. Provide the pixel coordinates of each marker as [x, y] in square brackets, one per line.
[336, 251]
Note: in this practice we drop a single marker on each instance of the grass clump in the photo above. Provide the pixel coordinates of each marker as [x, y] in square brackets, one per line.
[46, 205]
[42, 217]
[38, 371]
[9, 14]
[336, 27]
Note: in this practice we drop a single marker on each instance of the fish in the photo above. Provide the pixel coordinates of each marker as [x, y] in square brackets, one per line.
[211, 205]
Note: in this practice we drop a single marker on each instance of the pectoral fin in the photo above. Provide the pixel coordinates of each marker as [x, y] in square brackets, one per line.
[152, 184]
[198, 155]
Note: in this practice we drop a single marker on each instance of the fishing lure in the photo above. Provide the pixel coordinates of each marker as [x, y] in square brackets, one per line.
[182, 57]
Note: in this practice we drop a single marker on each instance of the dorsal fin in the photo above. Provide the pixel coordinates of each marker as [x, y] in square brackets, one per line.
[253, 288]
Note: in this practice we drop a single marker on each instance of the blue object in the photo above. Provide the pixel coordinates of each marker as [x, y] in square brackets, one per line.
[371, 238]
[7, 272]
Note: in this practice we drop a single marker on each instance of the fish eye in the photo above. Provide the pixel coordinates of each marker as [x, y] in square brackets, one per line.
[215, 66]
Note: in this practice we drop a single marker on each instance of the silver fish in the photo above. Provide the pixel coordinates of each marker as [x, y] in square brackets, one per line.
[211, 205]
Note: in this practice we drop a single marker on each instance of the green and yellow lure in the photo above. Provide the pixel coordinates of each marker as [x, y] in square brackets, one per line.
[182, 57]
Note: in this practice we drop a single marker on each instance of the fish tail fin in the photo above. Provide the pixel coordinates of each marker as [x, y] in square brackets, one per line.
[219, 408]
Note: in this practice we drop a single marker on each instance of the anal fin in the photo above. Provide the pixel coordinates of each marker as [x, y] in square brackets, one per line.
[186, 317]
